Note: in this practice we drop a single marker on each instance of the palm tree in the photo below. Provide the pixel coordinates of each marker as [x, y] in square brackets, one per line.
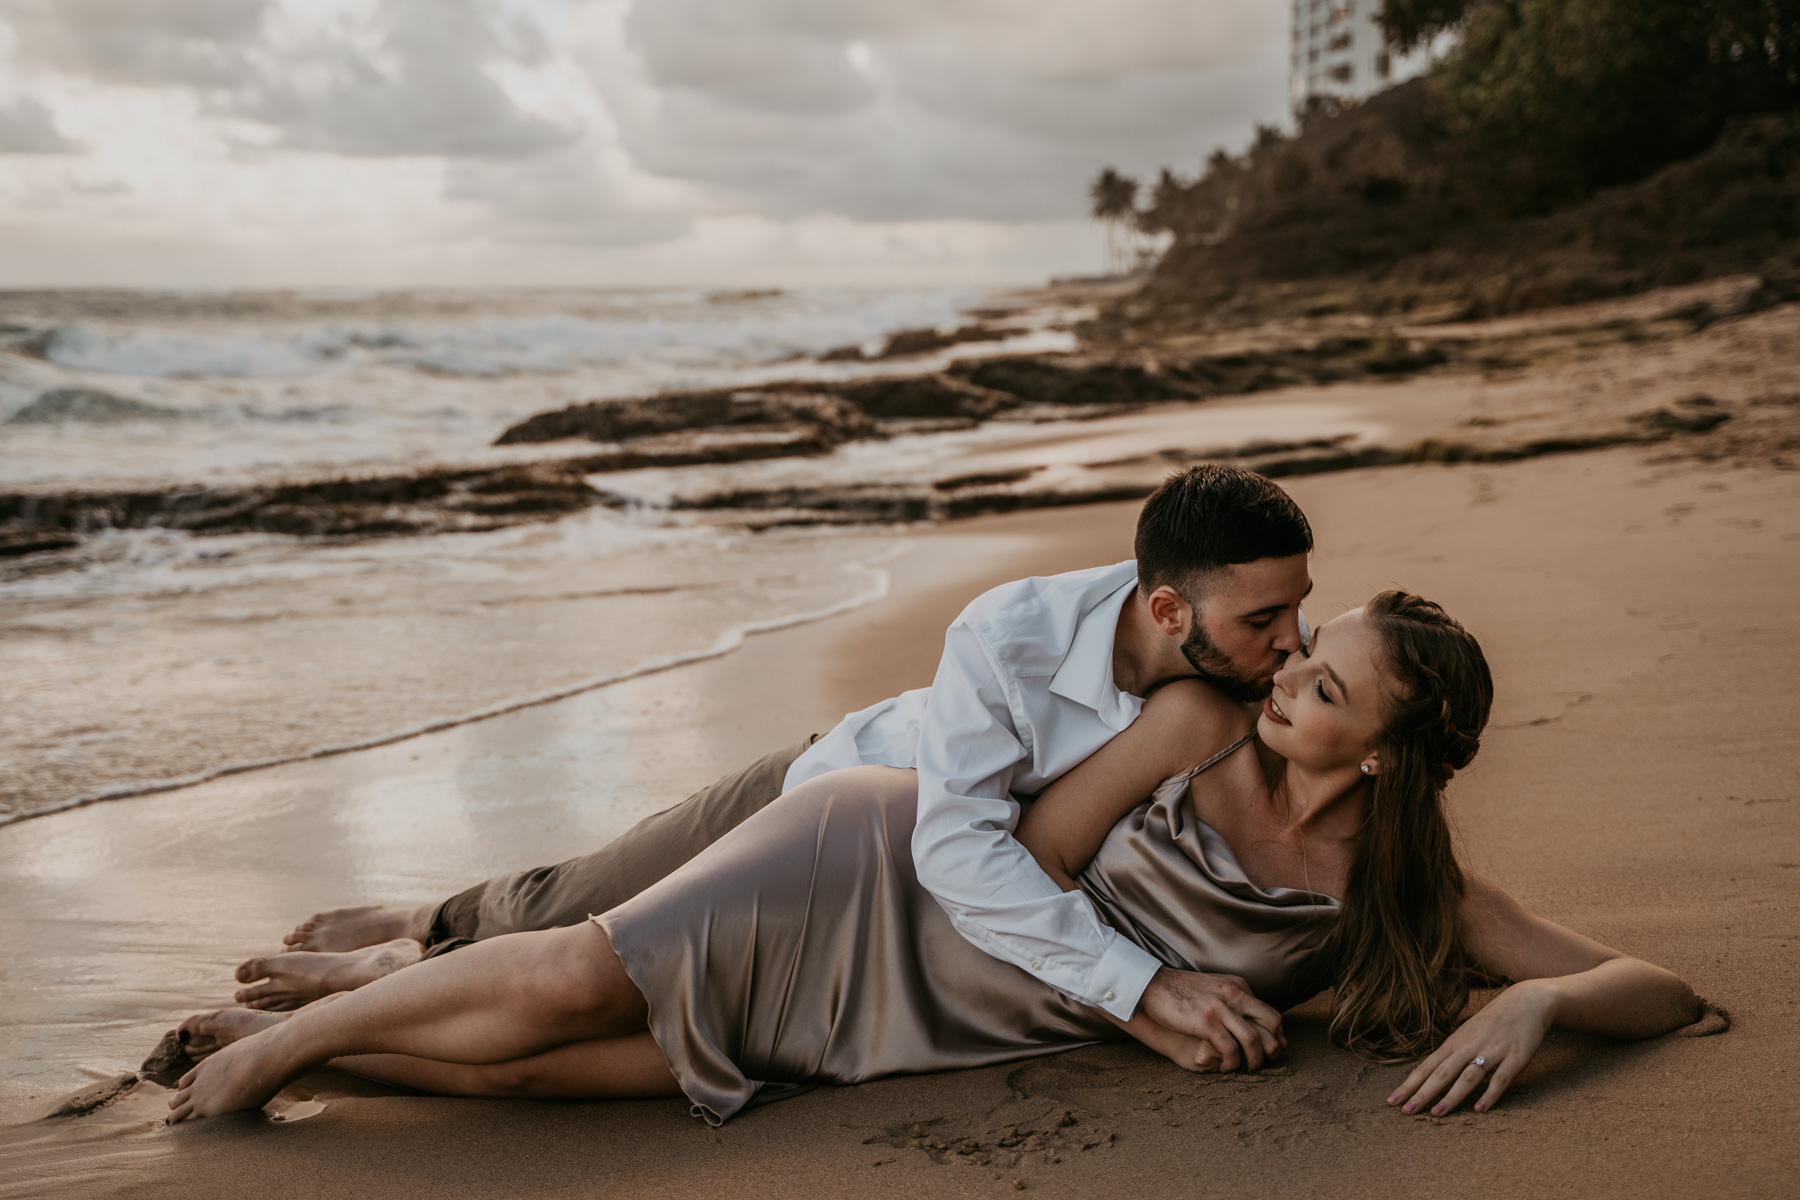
[1113, 200]
[1166, 202]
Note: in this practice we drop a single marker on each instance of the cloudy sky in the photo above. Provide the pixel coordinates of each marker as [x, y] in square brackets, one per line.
[392, 142]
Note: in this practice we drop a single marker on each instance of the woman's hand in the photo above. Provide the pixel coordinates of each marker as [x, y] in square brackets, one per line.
[1504, 1035]
[1217, 1011]
[1189, 1053]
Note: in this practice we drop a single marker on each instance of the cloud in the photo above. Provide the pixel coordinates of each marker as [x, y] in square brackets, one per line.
[989, 109]
[197, 43]
[420, 80]
[923, 131]
[391, 78]
[580, 196]
[26, 127]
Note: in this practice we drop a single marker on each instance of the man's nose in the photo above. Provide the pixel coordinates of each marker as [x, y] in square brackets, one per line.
[1288, 637]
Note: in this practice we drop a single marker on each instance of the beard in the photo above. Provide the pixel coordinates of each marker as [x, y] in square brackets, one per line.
[1212, 665]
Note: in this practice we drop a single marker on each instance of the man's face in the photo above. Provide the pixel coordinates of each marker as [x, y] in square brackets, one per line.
[1247, 624]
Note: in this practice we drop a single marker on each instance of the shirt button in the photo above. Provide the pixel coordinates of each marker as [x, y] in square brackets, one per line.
[1108, 997]
[1037, 964]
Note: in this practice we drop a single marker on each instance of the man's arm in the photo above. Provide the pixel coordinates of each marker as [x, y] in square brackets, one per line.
[1202, 1021]
[995, 893]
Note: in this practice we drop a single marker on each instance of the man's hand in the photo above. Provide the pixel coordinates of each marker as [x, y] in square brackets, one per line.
[1220, 1012]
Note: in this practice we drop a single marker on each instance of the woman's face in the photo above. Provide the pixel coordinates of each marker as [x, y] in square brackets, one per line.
[1331, 700]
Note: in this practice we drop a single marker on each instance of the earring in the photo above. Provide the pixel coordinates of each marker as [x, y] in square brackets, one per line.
[1366, 770]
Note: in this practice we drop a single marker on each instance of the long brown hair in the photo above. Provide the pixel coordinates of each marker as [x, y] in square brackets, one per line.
[1401, 973]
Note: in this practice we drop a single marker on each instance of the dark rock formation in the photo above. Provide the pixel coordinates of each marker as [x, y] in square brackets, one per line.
[909, 342]
[26, 537]
[1045, 379]
[781, 406]
[1133, 479]
[822, 415]
[425, 502]
[917, 396]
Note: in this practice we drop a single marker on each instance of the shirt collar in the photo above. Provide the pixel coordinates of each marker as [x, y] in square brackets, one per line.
[1086, 674]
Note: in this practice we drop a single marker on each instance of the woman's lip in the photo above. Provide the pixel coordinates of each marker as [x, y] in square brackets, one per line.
[1273, 713]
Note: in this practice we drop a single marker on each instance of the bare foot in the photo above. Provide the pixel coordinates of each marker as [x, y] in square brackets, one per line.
[299, 976]
[244, 1075]
[353, 928]
[207, 1033]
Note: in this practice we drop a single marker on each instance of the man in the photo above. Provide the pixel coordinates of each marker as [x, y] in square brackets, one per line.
[1036, 675]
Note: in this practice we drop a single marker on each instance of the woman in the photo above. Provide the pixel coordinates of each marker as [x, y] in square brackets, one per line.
[1308, 849]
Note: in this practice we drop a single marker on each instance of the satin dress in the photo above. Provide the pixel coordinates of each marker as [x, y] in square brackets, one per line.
[800, 949]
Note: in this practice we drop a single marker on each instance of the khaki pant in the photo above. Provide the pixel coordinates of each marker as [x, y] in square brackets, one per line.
[567, 893]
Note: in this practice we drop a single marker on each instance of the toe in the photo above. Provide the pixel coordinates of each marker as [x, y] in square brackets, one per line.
[251, 970]
[195, 1035]
[269, 1001]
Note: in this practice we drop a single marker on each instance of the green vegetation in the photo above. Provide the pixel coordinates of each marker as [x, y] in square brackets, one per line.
[1578, 94]
[1561, 149]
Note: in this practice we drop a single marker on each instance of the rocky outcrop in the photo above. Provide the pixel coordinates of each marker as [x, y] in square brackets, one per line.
[424, 502]
[1134, 478]
[1037, 386]
[908, 343]
[783, 406]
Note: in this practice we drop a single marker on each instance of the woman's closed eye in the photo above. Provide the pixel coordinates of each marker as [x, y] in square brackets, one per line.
[1319, 687]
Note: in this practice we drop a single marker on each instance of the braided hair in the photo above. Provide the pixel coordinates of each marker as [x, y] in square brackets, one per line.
[1401, 973]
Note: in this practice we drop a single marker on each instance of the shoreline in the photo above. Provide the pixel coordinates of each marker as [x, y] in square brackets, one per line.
[1112, 374]
[1728, 393]
[1626, 773]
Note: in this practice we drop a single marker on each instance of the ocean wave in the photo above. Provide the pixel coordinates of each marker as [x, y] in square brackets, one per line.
[87, 406]
[670, 329]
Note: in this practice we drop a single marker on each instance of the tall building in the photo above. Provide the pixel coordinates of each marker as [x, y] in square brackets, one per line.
[1339, 52]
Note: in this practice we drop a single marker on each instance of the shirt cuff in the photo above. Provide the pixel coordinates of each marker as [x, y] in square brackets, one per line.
[1120, 978]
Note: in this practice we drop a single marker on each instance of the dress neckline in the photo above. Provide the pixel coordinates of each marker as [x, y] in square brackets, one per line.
[1220, 860]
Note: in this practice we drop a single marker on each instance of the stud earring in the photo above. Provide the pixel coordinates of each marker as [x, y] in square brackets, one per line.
[1366, 770]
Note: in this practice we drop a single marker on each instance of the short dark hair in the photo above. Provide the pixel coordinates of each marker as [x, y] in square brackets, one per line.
[1210, 516]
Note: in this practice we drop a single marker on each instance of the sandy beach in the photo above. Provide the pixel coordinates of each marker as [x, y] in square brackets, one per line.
[437, 436]
[1636, 784]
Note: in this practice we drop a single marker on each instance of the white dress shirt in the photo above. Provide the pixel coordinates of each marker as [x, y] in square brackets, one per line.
[1023, 693]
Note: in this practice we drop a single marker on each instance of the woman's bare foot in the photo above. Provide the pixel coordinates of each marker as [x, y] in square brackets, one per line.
[244, 1075]
[209, 1032]
[343, 929]
[299, 976]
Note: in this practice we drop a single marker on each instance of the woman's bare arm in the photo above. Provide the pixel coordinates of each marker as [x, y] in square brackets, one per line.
[1180, 726]
[1598, 990]
[1562, 979]
[1208, 1022]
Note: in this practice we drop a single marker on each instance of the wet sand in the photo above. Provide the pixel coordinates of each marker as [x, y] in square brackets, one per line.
[1637, 784]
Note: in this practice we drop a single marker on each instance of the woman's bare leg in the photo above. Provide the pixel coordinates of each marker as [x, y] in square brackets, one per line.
[496, 1001]
[610, 1068]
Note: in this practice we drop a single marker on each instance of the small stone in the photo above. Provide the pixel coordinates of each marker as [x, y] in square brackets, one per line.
[168, 1062]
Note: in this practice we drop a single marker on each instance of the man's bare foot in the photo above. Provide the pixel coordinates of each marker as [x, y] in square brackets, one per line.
[299, 976]
[343, 929]
[244, 1075]
[209, 1032]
